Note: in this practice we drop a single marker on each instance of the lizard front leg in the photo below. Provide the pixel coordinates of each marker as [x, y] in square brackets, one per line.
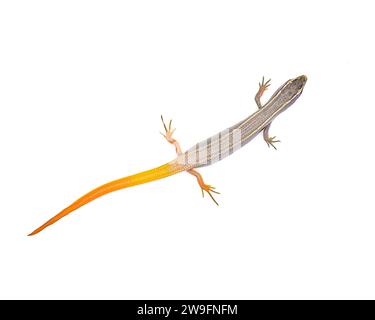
[263, 86]
[168, 135]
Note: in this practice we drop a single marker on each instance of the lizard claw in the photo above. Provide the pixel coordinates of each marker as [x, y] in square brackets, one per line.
[168, 131]
[209, 189]
[271, 141]
[264, 85]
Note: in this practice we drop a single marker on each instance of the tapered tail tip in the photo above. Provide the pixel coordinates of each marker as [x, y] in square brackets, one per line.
[36, 231]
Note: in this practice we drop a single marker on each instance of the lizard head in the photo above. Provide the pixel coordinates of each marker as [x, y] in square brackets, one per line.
[296, 85]
[292, 89]
[300, 81]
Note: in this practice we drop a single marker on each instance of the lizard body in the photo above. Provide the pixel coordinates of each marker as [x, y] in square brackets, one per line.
[207, 151]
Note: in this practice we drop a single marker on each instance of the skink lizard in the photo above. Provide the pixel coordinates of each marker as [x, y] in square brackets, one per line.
[207, 151]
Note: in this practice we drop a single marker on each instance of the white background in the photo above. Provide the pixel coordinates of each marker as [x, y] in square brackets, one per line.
[82, 87]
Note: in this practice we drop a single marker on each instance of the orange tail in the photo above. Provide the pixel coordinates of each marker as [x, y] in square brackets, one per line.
[139, 178]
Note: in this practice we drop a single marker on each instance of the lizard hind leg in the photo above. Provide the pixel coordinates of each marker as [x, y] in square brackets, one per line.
[168, 135]
[204, 187]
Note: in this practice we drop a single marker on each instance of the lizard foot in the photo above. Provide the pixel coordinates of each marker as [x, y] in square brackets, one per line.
[209, 189]
[263, 86]
[271, 141]
[168, 131]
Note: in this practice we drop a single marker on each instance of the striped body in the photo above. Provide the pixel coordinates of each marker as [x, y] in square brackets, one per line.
[229, 140]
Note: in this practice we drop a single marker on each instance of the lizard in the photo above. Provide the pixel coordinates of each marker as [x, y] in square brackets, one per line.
[206, 152]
